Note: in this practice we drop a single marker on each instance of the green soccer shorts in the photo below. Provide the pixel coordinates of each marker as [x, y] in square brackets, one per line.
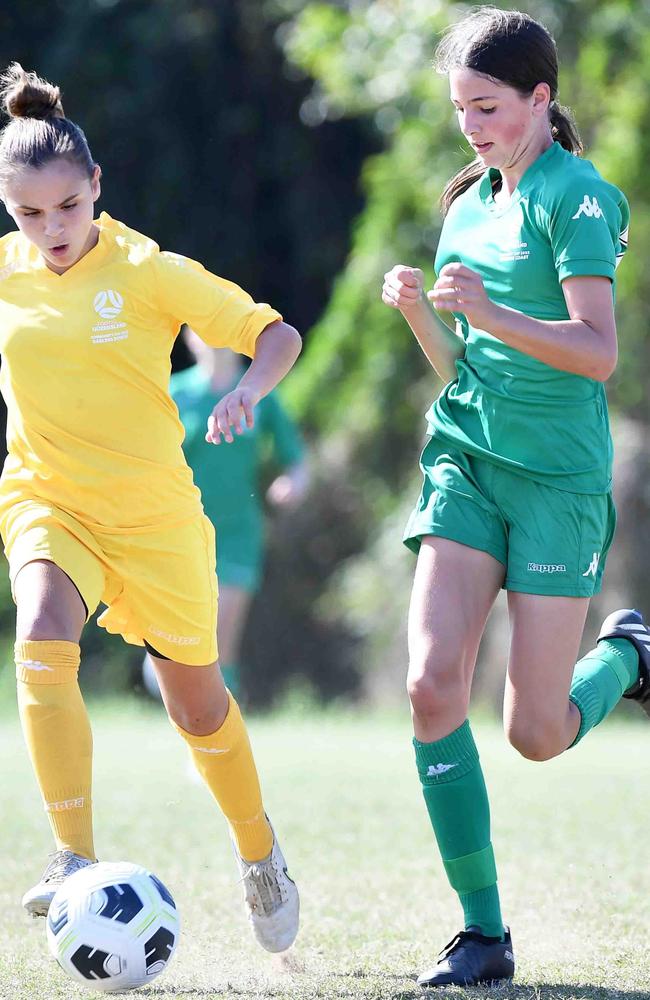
[550, 541]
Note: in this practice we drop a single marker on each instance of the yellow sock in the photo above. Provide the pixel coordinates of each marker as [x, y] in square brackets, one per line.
[57, 732]
[225, 762]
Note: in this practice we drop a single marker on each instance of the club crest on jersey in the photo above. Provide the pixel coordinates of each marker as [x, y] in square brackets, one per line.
[108, 304]
[512, 245]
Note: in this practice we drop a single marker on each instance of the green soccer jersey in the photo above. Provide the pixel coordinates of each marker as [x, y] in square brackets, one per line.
[505, 406]
[228, 474]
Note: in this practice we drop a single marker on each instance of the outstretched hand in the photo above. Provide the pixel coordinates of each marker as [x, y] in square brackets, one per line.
[235, 412]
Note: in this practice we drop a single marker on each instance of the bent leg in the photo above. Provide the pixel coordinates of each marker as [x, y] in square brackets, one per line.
[50, 617]
[454, 589]
[208, 718]
[550, 700]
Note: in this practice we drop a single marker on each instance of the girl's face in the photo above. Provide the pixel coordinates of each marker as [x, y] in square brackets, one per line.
[53, 206]
[502, 126]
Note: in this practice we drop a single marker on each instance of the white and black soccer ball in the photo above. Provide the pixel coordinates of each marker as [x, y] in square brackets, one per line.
[113, 926]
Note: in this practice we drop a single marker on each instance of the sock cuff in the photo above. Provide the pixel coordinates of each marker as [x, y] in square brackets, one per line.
[624, 661]
[447, 759]
[588, 701]
[472, 871]
[47, 661]
[224, 738]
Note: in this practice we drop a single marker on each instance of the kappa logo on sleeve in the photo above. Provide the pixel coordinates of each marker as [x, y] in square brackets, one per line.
[590, 208]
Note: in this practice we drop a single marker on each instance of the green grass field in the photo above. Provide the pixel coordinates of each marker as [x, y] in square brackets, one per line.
[571, 839]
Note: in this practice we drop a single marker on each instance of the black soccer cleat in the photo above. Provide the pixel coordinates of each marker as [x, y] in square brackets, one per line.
[472, 959]
[628, 624]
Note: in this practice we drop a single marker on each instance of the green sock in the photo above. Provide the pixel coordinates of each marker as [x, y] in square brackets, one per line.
[230, 674]
[600, 680]
[456, 799]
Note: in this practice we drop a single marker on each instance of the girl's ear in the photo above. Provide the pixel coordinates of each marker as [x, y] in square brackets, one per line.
[541, 98]
[95, 185]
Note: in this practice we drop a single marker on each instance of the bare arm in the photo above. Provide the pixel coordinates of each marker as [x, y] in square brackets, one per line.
[585, 344]
[276, 351]
[403, 290]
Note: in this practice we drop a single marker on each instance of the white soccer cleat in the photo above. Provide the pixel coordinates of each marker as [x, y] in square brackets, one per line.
[63, 864]
[271, 899]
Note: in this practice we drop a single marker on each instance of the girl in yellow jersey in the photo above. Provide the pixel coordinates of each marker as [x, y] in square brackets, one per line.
[96, 500]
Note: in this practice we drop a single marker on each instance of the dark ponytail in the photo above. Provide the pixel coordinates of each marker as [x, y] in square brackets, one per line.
[38, 131]
[564, 129]
[510, 48]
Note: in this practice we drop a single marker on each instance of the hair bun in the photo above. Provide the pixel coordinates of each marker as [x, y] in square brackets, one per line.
[26, 95]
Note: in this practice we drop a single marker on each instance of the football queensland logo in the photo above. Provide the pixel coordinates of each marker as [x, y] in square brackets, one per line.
[108, 304]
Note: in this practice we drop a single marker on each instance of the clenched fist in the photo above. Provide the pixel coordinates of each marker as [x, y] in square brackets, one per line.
[403, 287]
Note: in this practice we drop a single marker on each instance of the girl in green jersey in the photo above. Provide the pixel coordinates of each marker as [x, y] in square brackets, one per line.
[517, 472]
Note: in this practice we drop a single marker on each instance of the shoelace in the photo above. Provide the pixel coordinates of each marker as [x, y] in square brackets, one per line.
[63, 863]
[267, 887]
[458, 940]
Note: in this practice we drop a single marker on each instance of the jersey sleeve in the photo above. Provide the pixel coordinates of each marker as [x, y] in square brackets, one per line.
[588, 229]
[221, 312]
[286, 439]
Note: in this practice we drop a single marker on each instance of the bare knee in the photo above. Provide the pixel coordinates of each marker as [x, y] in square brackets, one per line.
[48, 605]
[43, 623]
[436, 689]
[536, 739]
[195, 697]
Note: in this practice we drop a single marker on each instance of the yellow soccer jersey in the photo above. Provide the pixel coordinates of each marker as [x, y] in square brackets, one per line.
[85, 373]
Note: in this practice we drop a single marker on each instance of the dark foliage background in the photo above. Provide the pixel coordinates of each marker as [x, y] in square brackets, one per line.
[299, 148]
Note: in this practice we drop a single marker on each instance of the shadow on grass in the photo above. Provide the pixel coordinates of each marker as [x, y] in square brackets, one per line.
[351, 985]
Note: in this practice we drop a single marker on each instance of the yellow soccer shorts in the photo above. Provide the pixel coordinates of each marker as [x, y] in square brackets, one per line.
[160, 587]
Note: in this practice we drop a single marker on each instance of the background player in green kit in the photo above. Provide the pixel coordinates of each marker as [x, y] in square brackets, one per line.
[517, 472]
[229, 481]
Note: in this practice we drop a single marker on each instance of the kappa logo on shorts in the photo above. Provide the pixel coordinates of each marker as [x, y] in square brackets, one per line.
[590, 208]
[592, 568]
[178, 640]
[108, 304]
[534, 567]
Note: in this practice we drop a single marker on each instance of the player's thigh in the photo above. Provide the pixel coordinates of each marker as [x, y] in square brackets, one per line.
[546, 632]
[48, 604]
[557, 541]
[557, 551]
[461, 540]
[55, 569]
[453, 590]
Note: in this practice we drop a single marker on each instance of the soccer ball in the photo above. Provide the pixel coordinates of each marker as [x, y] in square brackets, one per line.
[113, 926]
